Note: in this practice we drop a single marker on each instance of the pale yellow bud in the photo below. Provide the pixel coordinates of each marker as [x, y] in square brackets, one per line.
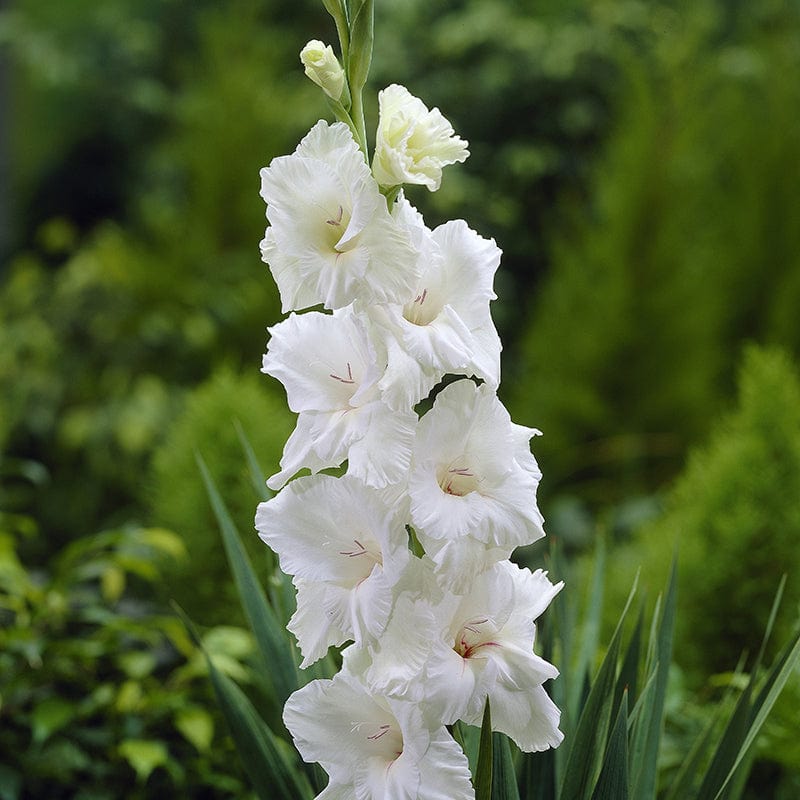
[322, 66]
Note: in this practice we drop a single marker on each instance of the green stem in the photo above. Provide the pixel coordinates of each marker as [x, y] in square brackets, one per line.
[360, 128]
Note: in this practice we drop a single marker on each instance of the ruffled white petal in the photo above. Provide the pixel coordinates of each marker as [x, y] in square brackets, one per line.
[476, 479]
[412, 143]
[345, 548]
[325, 361]
[332, 238]
[374, 747]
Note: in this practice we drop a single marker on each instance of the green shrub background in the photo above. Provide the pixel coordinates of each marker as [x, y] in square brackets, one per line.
[637, 163]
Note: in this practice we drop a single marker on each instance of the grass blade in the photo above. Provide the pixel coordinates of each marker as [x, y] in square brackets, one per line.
[646, 778]
[613, 781]
[280, 668]
[769, 693]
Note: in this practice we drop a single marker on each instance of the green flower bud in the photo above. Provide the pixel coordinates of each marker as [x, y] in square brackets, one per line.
[322, 66]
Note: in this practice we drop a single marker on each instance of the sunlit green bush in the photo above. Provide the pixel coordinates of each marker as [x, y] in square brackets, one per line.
[102, 695]
[734, 522]
[689, 245]
[215, 415]
[734, 518]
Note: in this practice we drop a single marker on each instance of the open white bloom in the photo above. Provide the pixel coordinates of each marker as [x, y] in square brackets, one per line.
[331, 237]
[412, 143]
[374, 748]
[328, 367]
[322, 67]
[476, 645]
[446, 325]
[473, 481]
[345, 550]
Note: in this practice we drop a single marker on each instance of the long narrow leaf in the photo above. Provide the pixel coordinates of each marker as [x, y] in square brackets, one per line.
[265, 761]
[688, 774]
[469, 737]
[483, 774]
[628, 680]
[253, 467]
[728, 747]
[591, 626]
[504, 779]
[362, 35]
[774, 684]
[646, 777]
[589, 741]
[538, 776]
[613, 781]
[272, 777]
[280, 669]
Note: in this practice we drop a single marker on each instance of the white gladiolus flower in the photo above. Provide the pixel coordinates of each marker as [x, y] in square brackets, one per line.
[327, 365]
[473, 481]
[412, 143]
[345, 550]
[403, 560]
[477, 645]
[331, 238]
[322, 67]
[446, 327]
[373, 747]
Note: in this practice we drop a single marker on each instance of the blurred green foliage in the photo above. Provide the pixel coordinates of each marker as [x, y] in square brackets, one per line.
[689, 246]
[102, 693]
[734, 518]
[218, 416]
[635, 161]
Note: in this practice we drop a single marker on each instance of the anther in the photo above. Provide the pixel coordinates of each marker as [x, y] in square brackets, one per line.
[382, 731]
[348, 379]
[338, 221]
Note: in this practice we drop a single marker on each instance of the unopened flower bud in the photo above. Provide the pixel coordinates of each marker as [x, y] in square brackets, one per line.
[322, 66]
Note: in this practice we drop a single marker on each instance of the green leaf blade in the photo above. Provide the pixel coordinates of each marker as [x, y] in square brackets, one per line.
[613, 781]
[279, 664]
[483, 773]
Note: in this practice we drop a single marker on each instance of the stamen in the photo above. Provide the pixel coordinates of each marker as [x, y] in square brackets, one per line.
[348, 379]
[472, 626]
[472, 649]
[420, 298]
[338, 221]
[382, 731]
[460, 489]
[354, 553]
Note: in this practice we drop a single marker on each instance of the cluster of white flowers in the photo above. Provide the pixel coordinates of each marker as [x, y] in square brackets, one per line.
[433, 636]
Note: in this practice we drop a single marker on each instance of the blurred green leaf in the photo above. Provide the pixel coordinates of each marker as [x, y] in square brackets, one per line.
[144, 755]
[162, 540]
[112, 581]
[138, 663]
[196, 724]
[50, 716]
